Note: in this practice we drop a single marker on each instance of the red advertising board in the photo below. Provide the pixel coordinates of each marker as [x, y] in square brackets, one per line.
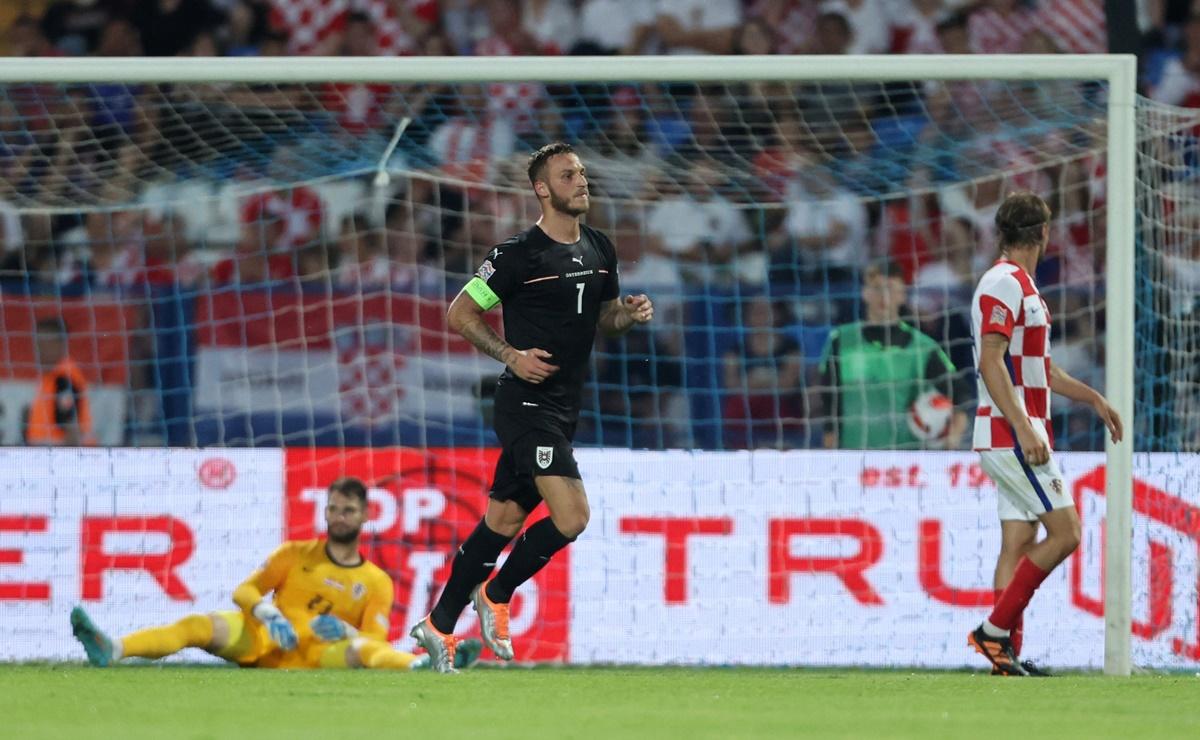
[423, 504]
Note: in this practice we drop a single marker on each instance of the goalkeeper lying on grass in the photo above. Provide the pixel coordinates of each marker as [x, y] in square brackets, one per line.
[330, 609]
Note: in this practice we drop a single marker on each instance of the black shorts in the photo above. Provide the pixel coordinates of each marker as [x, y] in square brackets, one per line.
[530, 447]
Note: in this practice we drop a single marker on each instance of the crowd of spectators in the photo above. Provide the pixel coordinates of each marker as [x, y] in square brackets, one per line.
[499, 27]
[769, 198]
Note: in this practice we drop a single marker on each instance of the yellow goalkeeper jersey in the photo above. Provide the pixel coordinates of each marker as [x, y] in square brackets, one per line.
[306, 583]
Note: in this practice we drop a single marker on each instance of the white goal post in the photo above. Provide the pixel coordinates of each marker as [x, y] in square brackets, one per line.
[1117, 71]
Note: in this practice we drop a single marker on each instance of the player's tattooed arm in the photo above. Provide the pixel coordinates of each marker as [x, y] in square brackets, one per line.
[613, 321]
[481, 335]
[466, 317]
[618, 317]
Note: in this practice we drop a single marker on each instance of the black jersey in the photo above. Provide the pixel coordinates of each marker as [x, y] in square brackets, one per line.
[551, 294]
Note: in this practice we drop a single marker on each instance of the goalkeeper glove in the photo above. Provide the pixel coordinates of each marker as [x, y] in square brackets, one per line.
[331, 629]
[281, 631]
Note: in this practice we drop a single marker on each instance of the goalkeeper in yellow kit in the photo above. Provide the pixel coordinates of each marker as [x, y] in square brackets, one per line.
[330, 608]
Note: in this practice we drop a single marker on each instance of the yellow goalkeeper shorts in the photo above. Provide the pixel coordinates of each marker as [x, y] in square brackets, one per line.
[250, 646]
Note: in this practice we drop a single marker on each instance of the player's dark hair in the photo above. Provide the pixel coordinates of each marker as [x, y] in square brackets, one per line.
[836, 17]
[952, 22]
[1020, 219]
[538, 160]
[350, 486]
[884, 268]
[52, 326]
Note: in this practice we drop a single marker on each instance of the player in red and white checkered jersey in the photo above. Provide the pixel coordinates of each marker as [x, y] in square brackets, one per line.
[1011, 325]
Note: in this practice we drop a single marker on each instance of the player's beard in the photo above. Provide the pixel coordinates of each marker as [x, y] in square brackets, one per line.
[563, 205]
[345, 537]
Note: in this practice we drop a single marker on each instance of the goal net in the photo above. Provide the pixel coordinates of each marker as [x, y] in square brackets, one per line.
[250, 277]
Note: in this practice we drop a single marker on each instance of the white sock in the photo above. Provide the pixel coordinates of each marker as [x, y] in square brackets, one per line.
[118, 649]
[992, 630]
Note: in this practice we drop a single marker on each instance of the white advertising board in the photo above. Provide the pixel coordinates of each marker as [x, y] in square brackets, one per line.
[852, 558]
[138, 537]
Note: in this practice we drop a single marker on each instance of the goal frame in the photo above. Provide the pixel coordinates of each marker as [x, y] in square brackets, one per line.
[1117, 70]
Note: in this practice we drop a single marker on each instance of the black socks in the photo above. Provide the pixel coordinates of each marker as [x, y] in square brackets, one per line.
[472, 564]
[531, 553]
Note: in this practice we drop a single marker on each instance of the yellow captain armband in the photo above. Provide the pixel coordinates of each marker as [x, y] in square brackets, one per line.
[482, 294]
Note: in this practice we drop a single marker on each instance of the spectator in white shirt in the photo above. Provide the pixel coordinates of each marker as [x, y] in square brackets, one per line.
[642, 266]
[468, 144]
[869, 23]
[942, 280]
[618, 26]
[1180, 81]
[619, 166]
[914, 26]
[698, 26]
[553, 24]
[828, 224]
[11, 235]
[698, 227]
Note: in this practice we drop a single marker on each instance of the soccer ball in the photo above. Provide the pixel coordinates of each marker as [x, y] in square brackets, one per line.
[929, 416]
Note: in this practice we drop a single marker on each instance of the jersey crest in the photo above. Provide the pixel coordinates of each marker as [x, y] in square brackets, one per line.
[334, 584]
[545, 456]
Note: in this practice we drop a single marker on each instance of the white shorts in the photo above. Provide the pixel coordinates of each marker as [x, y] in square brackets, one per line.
[1024, 492]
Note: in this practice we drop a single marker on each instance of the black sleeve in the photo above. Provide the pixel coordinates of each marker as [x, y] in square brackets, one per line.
[612, 287]
[504, 270]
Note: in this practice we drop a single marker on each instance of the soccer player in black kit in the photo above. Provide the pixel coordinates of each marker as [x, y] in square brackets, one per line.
[558, 284]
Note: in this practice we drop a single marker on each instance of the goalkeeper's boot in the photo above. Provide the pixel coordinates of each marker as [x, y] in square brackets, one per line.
[467, 653]
[493, 623]
[998, 651]
[97, 645]
[441, 648]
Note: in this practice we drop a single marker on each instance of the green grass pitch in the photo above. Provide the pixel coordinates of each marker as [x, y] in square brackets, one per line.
[60, 701]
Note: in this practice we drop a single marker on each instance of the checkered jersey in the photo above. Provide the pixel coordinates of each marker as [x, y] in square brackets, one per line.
[310, 23]
[1075, 26]
[993, 32]
[1007, 302]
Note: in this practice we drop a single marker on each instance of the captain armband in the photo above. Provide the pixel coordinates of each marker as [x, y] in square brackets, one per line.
[483, 295]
